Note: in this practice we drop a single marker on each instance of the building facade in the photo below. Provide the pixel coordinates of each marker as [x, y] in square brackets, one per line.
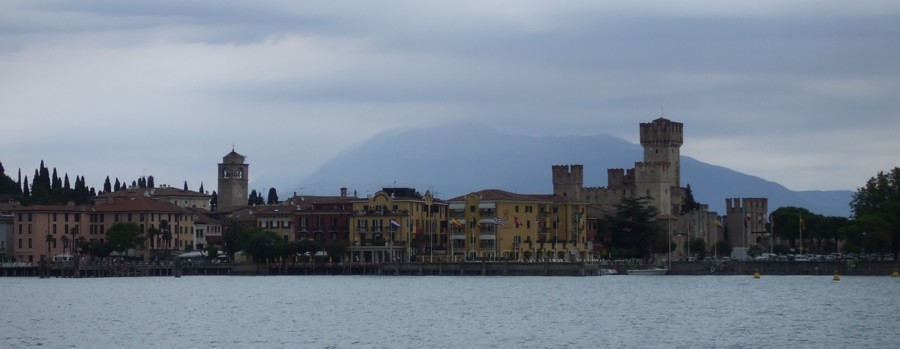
[746, 221]
[496, 224]
[657, 176]
[323, 218]
[396, 224]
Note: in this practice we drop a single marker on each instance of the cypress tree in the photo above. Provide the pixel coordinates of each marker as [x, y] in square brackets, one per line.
[107, 186]
[117, 186]
[150, 183]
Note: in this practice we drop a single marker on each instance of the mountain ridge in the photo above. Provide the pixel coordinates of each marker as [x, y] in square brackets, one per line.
[455, 159]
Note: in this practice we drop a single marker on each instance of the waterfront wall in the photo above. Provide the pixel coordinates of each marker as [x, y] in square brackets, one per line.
[785, 268]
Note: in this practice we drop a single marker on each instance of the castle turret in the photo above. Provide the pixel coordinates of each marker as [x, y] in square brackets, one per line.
[568, 181]
[662, 140]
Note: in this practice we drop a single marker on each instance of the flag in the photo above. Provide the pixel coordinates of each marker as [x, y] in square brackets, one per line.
[395, 224]
[456, 223]
[518, 222]
[747, 220]
[802, 223]
[719, 223]
[499, 221]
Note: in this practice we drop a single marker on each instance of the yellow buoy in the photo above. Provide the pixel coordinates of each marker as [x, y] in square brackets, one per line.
[756, 274]
[895, 273]
[837, 276]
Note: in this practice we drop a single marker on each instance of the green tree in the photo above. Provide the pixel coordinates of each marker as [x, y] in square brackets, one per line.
[152, 234]
[336, 249]
[723, 248]
[166, 234]
[212, 252]
[698, 247]
[124, 236]
[634, 228]
[50, 240]
[755, 250]
[781, 249]
[261, 244]
[688, 203]
[273, 197]
[876, 208]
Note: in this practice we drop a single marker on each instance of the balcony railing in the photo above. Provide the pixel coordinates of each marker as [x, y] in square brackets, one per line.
[370, 213]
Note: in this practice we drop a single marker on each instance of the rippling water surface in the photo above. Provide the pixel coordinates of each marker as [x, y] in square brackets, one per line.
[451, 312]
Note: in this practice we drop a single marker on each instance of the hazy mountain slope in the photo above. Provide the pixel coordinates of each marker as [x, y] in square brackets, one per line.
[460, 158]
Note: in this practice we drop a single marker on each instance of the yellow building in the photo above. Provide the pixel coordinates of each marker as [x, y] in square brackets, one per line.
[397, 224]
[496, 224]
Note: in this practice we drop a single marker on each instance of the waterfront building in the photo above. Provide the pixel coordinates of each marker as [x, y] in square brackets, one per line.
[277, 219]
[44, 231]
[6, 231]
[396, 224]
[495, 224]
[150, 215]
[323, 218]
[206, 230]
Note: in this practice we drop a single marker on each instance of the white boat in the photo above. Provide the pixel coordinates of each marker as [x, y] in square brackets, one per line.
[654, 271]
[608, 272]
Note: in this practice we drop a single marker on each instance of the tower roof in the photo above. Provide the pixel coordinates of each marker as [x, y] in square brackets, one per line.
[233, 158]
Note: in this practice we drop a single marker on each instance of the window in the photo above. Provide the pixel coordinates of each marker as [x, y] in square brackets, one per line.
[472, 209]
[517, 208]
[29, 242]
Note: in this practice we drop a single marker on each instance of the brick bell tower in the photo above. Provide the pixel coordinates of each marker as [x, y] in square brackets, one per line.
[233, 180]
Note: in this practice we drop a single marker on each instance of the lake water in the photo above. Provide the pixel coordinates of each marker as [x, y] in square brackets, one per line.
[451, 312]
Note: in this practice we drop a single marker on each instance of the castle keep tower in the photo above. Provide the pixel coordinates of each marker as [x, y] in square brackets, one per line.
[233, 180]
[662, 140]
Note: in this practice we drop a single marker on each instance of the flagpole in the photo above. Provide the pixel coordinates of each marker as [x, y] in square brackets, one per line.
[771, 234]
[800, 228]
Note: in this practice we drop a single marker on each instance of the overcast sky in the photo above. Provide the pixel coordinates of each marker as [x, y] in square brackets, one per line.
[803, 93]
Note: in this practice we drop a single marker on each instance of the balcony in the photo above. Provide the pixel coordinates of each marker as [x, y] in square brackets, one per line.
[487, 236]
[381, 213]
[458, 236]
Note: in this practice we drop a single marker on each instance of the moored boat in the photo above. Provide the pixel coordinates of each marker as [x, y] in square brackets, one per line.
[653, 271]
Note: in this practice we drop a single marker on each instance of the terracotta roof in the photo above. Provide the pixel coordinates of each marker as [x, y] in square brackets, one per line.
[151, 192]
[502, 195]
[50, 208]
[172, 191]
[137, 204]
[276, 209]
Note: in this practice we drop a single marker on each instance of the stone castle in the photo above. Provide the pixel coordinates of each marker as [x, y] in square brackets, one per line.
[657, 177]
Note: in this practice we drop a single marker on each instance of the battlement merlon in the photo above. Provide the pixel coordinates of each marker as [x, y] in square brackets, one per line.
[662, 132]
